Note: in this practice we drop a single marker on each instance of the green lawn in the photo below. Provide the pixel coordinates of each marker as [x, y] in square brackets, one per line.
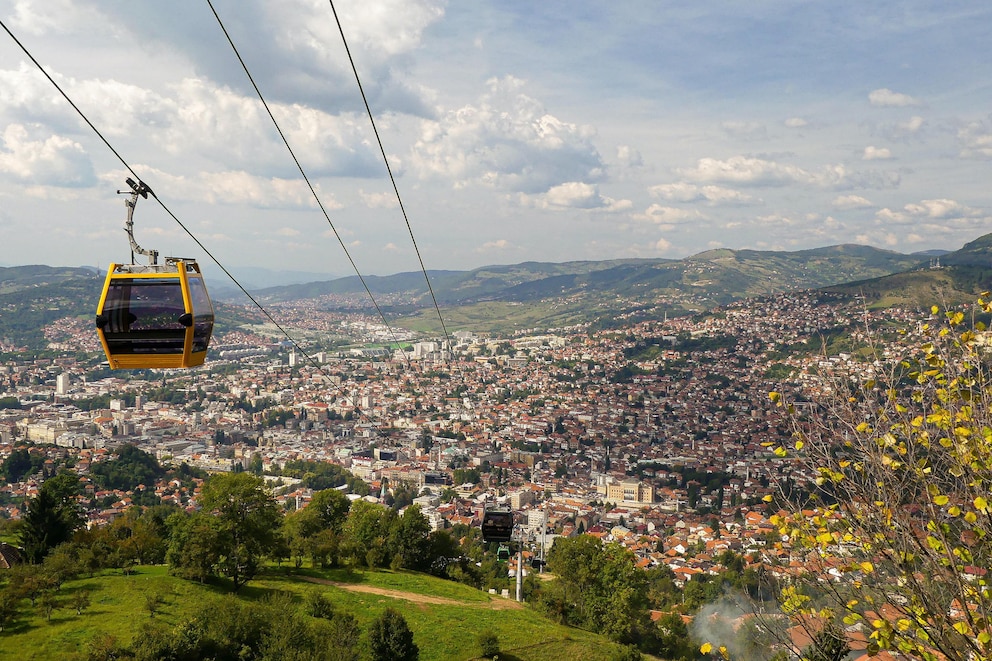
[442, 630]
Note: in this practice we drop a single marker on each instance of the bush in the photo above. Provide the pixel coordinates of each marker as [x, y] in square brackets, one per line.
[316, 604]
[390, 639]
[488, 643]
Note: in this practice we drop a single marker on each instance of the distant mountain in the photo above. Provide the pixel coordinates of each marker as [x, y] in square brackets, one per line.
[253, 278]
[510, 297]
[16, 278]
[32, 297]
[537, 294]
[720, 275]
[949, 278]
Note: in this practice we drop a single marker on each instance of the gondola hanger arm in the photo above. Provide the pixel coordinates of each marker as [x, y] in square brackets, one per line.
[142, 189]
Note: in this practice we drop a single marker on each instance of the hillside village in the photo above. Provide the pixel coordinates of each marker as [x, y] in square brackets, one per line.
[654, 435]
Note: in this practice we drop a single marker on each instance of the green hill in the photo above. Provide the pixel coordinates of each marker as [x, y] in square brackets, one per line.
[719, 274]
[960, 276]
[32, 297]
[504, 297]
[445, 617]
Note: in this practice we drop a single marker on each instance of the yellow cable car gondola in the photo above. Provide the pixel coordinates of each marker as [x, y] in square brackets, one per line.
[153, 315]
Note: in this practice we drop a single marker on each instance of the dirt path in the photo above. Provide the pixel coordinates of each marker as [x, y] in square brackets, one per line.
[497, 603]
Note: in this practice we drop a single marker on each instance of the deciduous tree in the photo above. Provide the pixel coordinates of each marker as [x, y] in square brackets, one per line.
[599, 585]
[248, 520]
[900, 453]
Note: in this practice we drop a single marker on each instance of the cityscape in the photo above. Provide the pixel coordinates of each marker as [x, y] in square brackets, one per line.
[655, 436]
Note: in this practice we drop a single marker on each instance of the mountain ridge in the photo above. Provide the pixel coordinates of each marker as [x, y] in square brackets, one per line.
[508, 297]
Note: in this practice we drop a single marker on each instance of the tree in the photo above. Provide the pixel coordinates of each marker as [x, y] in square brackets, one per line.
[17, 465]
[50, 518]
[315, 529]
[195, 545]
[8, 607]
[672, 638]
[410, 539]
[248, 519]
[390, 639]
[132, 466]
[367, 533]
[80, 601]
[600, 587]
[902, 460]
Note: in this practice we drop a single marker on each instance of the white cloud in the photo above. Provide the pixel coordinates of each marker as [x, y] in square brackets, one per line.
[746, 171]
[509, 141]
[908, 128]
[887, 215]
[574, 195]
[873, 153]
[629, 157]
[940, 209]
[53, 159]
[379, 200]
[885, 97]
[498, 245]
[749, 171]
[57, 16]
[232, 188]
[744, 130]
[668, 216]
[713, 195]
[196, 117]
[287, 231]
[795, 123]
[776, 220]
[221, 124]
[976, 140]
[662, 245]
[934, 216]
[851, 202]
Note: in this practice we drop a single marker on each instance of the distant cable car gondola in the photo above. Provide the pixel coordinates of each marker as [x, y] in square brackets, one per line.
[497, 526]
[153, 315]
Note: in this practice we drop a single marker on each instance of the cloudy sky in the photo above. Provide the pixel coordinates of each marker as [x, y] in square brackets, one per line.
[517, 130]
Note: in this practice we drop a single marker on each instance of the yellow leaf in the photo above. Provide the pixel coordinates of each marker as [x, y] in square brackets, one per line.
[705, 648]
[774, 396]
[981, 504]
[941, 500]
[767, 498]
[867, 567]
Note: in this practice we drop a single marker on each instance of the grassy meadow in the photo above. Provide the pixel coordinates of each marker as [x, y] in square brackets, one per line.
[445, 617]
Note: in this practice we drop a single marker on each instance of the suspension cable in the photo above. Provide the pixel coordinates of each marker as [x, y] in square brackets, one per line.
[168, 211]
[392, 179]
[303, 173]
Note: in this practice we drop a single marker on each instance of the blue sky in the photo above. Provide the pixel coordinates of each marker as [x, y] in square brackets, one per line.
[548, 131]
